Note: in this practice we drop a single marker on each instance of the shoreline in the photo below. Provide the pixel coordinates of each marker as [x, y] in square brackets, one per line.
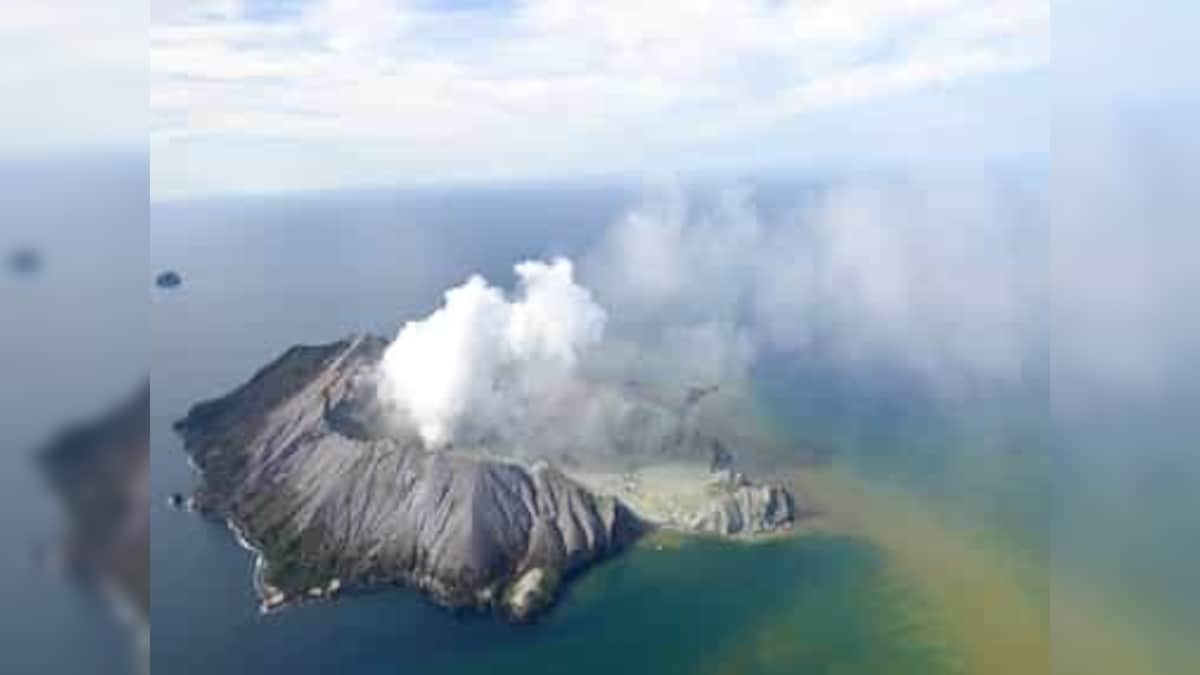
[678, 484]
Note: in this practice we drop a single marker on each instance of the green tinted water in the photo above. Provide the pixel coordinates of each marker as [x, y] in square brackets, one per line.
[818, 604]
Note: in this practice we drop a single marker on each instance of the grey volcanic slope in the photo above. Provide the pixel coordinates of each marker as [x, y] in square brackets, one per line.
[298, 462]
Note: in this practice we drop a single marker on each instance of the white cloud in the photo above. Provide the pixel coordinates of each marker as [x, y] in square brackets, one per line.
[554, 84]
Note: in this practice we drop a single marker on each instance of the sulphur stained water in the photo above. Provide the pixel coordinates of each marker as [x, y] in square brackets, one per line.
[884, 582]
[986, 604]
[995, 607]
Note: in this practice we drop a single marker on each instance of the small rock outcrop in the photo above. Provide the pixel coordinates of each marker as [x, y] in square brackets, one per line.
[24, 261]
[746, 509]
[168, 279]
[531, 593]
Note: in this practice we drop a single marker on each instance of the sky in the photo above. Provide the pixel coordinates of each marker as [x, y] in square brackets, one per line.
[73, 78]
[262, 96]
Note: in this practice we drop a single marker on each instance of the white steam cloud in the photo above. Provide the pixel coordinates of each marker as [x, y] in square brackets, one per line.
[939, 277]
[477, 364]
[936, 281]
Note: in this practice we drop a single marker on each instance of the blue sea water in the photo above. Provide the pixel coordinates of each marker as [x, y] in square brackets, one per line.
[73, 333]
[259, 276]
[262, 274]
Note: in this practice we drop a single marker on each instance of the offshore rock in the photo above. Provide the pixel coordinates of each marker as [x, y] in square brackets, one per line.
[532, 592]
[168, 279]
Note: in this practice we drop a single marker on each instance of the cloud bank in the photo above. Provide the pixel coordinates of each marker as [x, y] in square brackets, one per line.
[335, 92]
[474, 366]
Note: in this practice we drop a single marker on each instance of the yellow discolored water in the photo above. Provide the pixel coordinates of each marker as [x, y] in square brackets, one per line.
[998, 611]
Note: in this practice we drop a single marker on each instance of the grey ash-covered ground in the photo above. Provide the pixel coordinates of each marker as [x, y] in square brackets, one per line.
[310, 473]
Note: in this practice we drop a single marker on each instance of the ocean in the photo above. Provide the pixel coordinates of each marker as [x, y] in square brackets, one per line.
[75, 339]
[934, 556]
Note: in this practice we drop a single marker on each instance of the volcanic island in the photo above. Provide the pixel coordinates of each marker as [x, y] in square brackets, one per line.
[304, 466]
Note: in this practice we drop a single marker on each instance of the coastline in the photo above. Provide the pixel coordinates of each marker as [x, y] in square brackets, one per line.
[673, 491]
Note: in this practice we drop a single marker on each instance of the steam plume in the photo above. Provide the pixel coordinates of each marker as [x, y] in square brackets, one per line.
[476, 365]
